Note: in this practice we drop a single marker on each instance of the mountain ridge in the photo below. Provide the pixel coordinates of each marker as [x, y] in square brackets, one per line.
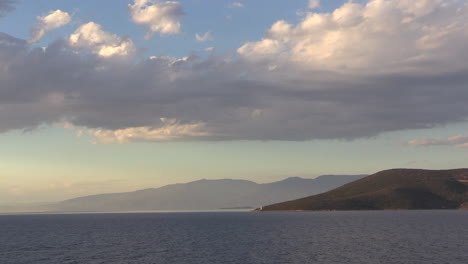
[202, 195]
[390, 189]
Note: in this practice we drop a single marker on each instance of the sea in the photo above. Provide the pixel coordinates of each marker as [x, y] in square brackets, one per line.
[237, 237]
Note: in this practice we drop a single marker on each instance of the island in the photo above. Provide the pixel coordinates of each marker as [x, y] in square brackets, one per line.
[395, 189]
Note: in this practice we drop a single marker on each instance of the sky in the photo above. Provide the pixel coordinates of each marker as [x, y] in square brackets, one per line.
[112, 96]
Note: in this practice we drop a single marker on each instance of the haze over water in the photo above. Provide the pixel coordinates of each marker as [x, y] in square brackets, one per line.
[237, 237]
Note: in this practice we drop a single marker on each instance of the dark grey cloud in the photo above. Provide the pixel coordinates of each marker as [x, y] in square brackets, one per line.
[234, 99]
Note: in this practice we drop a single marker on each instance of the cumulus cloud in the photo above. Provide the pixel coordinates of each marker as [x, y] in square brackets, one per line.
[458, 141]
[400, 66]
[91, 36]
[162, 17]
[261, 48]
[378, 36]
[204, 38]
[53, 20]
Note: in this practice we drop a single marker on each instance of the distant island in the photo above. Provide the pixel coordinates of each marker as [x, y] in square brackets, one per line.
[396, 189]
[223, 194]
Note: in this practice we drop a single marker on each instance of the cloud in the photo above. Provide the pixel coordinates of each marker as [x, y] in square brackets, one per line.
[355, 72]
[236, 5]
[171, 130]
[261, 48]
[162, 17]
[91, 36]
[53, 20]
[6, 6]
[458, 141]
[314, 4]
[204, 38]
[424, 36]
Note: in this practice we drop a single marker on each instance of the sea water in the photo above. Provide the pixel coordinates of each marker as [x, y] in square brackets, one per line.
[237, 237]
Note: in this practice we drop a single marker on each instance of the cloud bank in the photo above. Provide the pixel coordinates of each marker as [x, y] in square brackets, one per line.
[358, 71]
[380, 36]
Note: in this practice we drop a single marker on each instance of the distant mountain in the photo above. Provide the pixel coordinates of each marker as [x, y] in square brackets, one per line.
[205, 195]
[391, 189]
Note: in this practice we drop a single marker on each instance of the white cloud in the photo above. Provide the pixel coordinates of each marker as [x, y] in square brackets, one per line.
[236, 5]
[261, 48]
[53, 20]
[204, 38]
[314, 4]
[458, 141]
[92, 37]
[170, 130]
[355, 37]
[162, 17]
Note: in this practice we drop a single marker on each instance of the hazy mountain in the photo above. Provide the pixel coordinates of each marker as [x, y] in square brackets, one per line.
[206, 194]
[391, 189]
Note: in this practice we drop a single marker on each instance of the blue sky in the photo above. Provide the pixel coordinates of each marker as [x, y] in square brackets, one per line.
[230, 26]
[290, 91]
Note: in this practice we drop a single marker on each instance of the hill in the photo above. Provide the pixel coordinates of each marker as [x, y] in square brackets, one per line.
[205, 195]
[391, 189]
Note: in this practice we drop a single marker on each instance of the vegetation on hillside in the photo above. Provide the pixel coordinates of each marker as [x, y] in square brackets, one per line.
[391, 189]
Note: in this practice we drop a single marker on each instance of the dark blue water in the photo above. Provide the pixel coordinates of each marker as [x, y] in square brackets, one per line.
[240, 237]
